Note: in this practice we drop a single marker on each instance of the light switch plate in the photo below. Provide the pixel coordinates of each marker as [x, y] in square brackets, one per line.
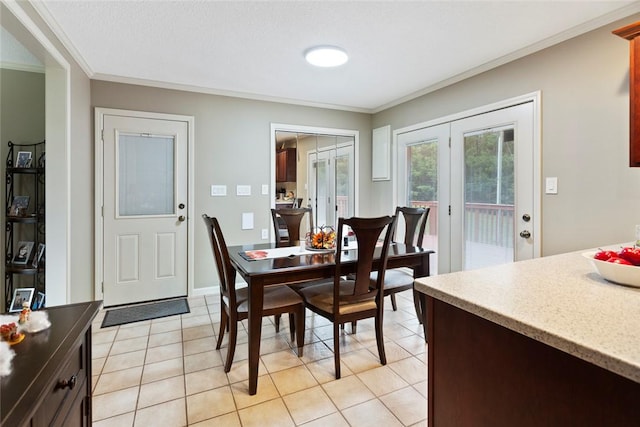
[218, 190]
[243, 190]
[265, 189]
[551, 185]
[265, 234]
[247, 220]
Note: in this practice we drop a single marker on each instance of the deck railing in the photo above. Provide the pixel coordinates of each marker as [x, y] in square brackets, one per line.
[486, 223]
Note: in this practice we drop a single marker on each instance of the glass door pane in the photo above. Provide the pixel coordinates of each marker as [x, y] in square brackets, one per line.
[489, 188]
[423, 161]
[145, 170]
[345, 200]
[422, 187]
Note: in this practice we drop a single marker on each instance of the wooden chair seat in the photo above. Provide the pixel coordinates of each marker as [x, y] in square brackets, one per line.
[274, 299]
[396, 280]
[321, 296]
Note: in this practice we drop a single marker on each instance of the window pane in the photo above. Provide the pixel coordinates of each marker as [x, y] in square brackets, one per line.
[489, 196]
[422, 189]
[146, 175]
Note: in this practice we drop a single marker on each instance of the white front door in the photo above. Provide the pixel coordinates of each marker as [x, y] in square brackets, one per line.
[144, 209]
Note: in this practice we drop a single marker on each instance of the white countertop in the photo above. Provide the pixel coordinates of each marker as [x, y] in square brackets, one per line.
[559, 300]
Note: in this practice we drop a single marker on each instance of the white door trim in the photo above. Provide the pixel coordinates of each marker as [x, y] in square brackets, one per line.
[99, 189]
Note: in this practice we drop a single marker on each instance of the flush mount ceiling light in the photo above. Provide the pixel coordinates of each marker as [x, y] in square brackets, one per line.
[326, 56]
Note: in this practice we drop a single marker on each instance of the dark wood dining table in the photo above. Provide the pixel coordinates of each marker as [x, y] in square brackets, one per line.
[302, 267]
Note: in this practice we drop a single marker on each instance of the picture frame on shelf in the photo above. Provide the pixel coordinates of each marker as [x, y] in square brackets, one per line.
[19, 206]
[39, 302]
[21, 296]
[37, 257]
[23, 159]
[23, 253]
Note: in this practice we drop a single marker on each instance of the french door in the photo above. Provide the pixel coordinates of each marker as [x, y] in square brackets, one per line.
[478, 175]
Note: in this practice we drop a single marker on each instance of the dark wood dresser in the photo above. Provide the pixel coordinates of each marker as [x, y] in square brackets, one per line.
[50, 382]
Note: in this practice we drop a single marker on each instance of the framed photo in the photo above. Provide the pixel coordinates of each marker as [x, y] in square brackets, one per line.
[38, 255]
[20, 296]
[39, 302]
[23, 253]
[23, 160]
[19, 206]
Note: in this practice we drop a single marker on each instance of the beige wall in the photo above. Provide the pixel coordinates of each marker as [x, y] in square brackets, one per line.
[22, 108]
[585, 137]
[584, 143]
[232, 146]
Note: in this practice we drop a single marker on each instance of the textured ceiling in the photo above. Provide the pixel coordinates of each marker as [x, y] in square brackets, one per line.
[398, 49]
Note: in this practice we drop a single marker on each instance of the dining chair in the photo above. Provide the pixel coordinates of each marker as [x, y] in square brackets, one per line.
[346, 299]
[399, 280]
[234, 301]
[292, 218]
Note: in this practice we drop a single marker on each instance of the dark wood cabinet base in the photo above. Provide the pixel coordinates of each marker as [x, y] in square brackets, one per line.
[50, 382]
[483, 374]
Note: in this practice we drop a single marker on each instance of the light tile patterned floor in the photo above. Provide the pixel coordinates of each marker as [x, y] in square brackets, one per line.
[167, 372]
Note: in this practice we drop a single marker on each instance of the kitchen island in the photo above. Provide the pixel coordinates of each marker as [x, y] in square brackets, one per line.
[539, 342]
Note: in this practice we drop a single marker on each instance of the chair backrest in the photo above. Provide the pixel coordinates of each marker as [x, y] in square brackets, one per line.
[415, 219]
[367, 233]
[226, 271]
[297, 203]
[292, 219]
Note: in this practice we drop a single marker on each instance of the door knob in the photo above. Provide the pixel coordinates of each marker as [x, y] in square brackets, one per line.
[525, 234]
[181, 218]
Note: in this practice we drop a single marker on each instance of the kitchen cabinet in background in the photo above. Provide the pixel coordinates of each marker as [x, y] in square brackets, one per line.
[631, 33]
[286, 165]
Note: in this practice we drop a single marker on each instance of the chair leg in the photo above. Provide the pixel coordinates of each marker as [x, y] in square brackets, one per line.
[416, 303]
[380, 340]
[393, 302]
[336, 349]
[276, 319]
[292, 326]
[224, 324]
[300, 328]
[233, 334]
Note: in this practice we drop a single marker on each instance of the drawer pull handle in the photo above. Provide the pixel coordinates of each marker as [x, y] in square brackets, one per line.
[71, 382]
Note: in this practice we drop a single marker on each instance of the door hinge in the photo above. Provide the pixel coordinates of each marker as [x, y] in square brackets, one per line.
[449, 142]
[449, 210]
[102, 134]
[102, 211]
[102, 286]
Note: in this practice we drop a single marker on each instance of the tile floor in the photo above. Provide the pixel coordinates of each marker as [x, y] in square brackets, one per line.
[167, 372]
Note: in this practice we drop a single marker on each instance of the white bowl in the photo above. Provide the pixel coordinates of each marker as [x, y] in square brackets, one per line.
[618, 273]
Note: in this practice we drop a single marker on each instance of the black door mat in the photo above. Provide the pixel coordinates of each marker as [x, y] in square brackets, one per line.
[140, 312]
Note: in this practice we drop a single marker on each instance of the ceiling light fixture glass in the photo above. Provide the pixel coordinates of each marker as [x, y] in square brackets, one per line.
[326, 56]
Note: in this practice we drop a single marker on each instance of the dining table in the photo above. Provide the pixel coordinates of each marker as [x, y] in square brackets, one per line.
[262, 265]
